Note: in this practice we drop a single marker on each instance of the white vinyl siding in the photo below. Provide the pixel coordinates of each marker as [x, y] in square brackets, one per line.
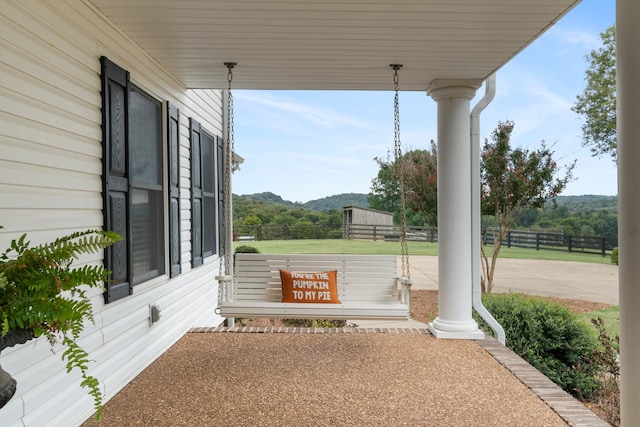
[51, 184]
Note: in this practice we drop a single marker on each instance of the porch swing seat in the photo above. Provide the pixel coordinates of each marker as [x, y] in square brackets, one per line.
[368, 287]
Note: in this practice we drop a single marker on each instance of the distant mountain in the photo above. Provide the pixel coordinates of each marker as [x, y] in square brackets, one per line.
[269, 198]
[337, 201]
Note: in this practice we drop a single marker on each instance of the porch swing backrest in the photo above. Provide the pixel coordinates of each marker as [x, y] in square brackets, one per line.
[368, 287]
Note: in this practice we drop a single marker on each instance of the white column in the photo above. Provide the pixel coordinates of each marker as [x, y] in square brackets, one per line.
[628, 104]
[454, 210]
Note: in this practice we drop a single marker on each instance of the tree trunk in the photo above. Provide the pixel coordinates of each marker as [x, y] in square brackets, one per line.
[488, 269]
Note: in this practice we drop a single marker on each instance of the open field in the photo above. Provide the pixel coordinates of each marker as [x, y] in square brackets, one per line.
[340, 246]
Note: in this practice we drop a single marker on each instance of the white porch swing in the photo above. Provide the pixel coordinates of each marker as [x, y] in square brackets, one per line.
[363, 287]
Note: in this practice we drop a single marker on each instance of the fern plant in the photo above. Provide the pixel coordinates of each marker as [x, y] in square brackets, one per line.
[42, 292]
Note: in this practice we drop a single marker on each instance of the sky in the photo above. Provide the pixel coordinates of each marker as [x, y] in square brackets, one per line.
[306, 145]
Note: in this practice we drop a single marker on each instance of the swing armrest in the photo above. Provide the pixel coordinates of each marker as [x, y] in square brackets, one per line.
[405, 289]
[225, 281]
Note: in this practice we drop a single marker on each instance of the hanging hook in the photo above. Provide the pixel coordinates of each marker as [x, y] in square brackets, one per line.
[230, 66]
[395, 68]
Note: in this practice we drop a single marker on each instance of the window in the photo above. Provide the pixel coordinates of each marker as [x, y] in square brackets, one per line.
[134, 188]
[204, 192]
[146, 185]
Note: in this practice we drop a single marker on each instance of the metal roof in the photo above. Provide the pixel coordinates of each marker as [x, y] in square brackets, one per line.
[331, 44]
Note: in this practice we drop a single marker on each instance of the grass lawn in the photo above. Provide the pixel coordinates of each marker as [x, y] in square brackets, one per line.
[611, 317]
[340, 246]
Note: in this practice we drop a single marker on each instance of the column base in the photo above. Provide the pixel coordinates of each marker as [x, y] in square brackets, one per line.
[456, 332]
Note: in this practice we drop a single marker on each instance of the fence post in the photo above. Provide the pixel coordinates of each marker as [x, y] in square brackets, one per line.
[508, 239]
[537, 241]
[604, 247]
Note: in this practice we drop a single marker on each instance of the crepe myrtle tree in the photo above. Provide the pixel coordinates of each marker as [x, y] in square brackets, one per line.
[514, 180]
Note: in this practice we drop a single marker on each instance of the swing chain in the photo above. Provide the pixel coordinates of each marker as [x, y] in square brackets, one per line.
[404, 248]
[226, 227]
[230, 119]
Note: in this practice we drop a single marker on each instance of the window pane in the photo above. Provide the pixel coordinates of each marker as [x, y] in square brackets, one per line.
[209, 225]
[145, 130]
[147, 234]
[208, 163]
[208, 194]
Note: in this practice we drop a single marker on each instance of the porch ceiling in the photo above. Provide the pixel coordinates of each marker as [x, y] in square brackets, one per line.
[331, 44]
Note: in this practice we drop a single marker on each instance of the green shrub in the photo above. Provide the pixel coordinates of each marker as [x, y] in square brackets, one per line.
[246, 249]
[548, 336]
[614, 256]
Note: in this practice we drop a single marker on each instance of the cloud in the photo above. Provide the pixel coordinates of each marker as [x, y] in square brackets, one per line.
[322, 117]
[531, 101]
[566, 40]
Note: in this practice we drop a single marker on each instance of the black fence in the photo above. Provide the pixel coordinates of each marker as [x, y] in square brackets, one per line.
[350, 231]
[556, 241]
[549, 240]
[389, 233]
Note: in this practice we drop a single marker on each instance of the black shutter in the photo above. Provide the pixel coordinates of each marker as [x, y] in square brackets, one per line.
[173, 139]
[196, 194]
[220, 166]
[115, 174]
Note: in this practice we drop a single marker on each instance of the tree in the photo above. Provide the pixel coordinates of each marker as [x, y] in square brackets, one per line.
[384, 187]
[597, 103]
[252, 219]
[513, 181]
[253, 222]
[421, 182]
[419, 169]
[529, 218]
[303, 229]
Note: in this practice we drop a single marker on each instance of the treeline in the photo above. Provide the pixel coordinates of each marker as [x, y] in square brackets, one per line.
[250, 217]
[576, 215]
